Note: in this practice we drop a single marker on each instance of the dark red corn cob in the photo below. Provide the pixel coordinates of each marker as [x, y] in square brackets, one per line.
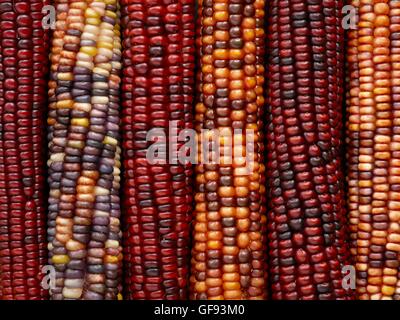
[305, 180]
[23, 67]
[157, 89]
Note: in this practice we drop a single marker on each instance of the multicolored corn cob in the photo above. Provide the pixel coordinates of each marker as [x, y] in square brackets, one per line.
[84, 164]
[373, 145]
[306, 219]
[229, 249]
[157, 94]
[23, 67]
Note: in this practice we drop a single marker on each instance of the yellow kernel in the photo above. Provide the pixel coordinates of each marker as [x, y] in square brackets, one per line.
[60, 259]
[82, 122]
[90, 13]
[110, 140]
[91, 51]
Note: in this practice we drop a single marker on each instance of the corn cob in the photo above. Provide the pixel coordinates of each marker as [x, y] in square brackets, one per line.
[23, 66]
[157, 93]
[84, 161]
[306, 220]
[229, 250]
[352, 134]
[373, 148]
